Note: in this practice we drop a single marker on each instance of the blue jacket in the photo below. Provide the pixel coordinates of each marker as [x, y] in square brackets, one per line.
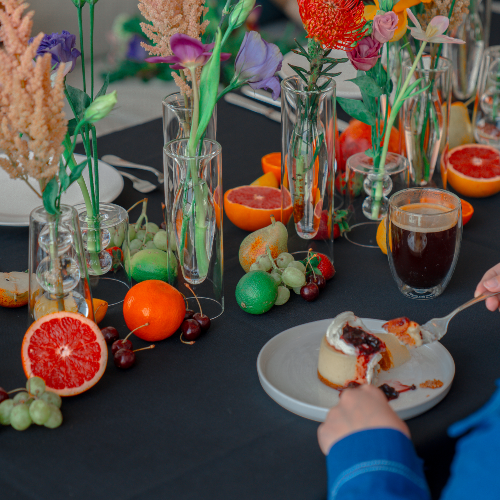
[381, 464]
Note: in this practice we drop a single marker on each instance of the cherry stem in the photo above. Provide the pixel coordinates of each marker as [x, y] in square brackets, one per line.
[185, 300]
[152, 346]
[186, 342]
[135, 329]
[196, 298]
[308, 262]
[17, 390]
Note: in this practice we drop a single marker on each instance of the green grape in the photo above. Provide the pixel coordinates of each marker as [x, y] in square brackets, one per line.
[265, 262]
[283, 296]
[20, 417]
[150, 244]
[160, 240]
[118, 236]
[135, 245]
[52, 398]
[5, 409]
[151, 227]
[298, 265]
[132, 235]
[35, 386]
[21, 397]
[276, 276]
[141, 233]
[284, 259]
[256, 267]
[133, 252]
[55, 419]
[39, 412]
[293, 278]
[297, 289]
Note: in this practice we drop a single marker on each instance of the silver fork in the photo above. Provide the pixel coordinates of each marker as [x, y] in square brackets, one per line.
[439, 326]
[120, 162]
[140, 185]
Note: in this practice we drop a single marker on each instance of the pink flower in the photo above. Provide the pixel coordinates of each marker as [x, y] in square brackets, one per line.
[434, 31]
[188, 53]
[364, 56]
[384, 26]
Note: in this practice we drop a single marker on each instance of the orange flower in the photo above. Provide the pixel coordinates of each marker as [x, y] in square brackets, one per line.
[336, 24]
[400, 10]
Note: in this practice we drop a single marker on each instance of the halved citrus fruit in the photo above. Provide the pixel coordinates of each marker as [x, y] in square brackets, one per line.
[66, 350]
[268, 180]
[272, 163]
[474, 170]
[250, 207]
[467, 211]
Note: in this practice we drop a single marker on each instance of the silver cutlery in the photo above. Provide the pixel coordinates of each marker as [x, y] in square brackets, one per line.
[244, 102]
[119, 162]
[140, 185]
[439, 326]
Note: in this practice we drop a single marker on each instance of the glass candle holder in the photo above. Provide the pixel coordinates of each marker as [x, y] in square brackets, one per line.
[57, 268]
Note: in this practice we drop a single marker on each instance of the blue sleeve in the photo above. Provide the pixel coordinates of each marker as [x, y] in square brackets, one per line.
[379, 464]
[474, 471]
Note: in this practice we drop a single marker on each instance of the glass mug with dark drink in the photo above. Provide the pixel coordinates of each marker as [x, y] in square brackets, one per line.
[423, 240]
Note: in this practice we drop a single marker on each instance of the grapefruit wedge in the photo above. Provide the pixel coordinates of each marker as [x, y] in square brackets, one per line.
[474, 170]
[66, 350]
[250, 207]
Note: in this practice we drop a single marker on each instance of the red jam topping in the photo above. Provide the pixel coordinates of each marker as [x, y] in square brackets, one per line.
[366, 343]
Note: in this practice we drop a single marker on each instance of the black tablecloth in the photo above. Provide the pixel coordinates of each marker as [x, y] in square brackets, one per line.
[191, 422]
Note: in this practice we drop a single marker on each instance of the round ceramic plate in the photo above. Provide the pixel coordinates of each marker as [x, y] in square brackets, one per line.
[17, 200]
[347, 71]
[287, 367]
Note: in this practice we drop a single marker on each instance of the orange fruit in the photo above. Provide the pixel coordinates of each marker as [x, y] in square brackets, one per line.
[474, 170]
[382, 236]
[272, 163]
[268, 180]
[157, 303]
[100, 309]
[14, 289]
[467, 211]
[250, 207]
[66, 350]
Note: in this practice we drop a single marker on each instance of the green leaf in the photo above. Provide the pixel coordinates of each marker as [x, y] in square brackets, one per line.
[104, 87]
[369, 153]
[357, 109]
[80, 100]
[50, 195]
[367, 85]
[77, 171]
[71, 127]
[63, 176]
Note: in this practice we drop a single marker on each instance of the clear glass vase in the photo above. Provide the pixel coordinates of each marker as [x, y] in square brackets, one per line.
[57, 269]
[193, 198]
[424, 119]
[105, 241]
[307, 165]
[466, 58]
[177, 115]
[361, 179]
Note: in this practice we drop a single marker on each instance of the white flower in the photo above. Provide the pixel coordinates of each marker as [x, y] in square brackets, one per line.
[434, 31]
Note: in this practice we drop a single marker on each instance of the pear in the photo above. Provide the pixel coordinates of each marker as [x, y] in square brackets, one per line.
[275, 236]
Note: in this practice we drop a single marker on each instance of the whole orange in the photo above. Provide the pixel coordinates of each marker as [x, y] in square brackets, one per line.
[157, 303]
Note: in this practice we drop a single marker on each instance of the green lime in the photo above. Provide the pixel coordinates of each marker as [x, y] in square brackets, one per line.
[151, 264]
[256, 292]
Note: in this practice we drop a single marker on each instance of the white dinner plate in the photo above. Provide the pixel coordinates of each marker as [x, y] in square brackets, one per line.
[287, 367]
[347, 71]
[17, 200]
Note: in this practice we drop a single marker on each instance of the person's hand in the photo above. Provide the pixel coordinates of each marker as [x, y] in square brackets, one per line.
[362, 408]
[490, 283]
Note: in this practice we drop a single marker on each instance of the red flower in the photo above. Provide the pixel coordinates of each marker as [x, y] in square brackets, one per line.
[336, 24]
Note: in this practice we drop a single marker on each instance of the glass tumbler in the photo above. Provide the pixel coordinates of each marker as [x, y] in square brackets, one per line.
[423, 240]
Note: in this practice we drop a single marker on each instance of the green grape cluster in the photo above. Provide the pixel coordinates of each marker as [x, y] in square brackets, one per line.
[36, 405]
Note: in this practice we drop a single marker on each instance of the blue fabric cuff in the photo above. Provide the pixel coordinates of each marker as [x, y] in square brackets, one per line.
[376, 464]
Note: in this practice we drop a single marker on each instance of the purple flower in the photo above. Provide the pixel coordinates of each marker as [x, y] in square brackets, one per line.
[62, 48]
[257, 63]
[365, 55]
[135, 52]
[384, 26]
[188, 53]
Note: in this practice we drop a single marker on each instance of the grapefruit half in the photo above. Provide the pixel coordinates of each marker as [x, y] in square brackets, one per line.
[250, 207]
[66, 350]
[474, 170]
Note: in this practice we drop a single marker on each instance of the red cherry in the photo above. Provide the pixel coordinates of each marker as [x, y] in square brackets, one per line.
[121, 344]
[325, 266]
[191, 329]
[203, 320]
[318, 279]
[3, 395]
[124, 358]
[188, 314]
[309, 292]
[110, 334]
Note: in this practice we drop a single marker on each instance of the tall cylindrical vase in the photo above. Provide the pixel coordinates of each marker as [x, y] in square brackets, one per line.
[424, 119]
[177, 115]
[307, 165]
[57, 268]
[193, 198]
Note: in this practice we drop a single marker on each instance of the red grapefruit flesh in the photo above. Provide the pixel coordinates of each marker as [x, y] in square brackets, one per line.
[250, 207]
[66, 350]
[474, 170]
